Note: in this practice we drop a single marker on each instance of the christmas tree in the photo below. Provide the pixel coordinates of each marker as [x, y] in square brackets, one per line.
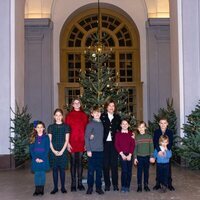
[99, 83]
[170, 114]
[190, 144]
[21, 129]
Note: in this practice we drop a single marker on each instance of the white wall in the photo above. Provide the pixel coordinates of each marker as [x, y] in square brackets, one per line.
[136, 9]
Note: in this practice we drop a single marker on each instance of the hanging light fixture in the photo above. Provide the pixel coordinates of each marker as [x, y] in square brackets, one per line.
[98, 53]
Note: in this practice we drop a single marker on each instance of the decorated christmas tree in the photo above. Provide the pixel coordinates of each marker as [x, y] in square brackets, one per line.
[190, 144]
[99, 83]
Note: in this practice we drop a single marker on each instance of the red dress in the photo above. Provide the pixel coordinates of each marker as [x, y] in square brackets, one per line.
[77, 120]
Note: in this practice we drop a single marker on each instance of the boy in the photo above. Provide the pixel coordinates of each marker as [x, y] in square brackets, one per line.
[94, 148]
[163, 162]
[143, 155]
[163, 130]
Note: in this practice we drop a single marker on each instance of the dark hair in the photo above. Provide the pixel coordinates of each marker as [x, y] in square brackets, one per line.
[58, 110]
[163, 118]
[109, 101]
[34, 133]
[95, 108]
[125, 119]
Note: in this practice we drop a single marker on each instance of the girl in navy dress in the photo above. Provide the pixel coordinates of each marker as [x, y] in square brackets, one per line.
[39, 149]
[59, 137]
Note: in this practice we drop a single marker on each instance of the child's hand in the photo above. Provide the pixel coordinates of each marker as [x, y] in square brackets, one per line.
[69, 147]
[152, 160]
[128, 157]
[89, 153]
[135, 161]
[161, 153]
[60, 153]
[39, 160]
[91, 137]
[123, 156]
[133, 135]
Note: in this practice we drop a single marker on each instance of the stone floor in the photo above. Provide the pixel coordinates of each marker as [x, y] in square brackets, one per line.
[18, 184]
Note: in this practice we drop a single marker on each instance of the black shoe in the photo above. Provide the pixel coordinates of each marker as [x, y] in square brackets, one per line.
[171, 188]
[107, 188]
[73, 188]
[41, 190]
[63, 190]
[89, 190]
[81, 187]
[115, 188]
[146, 188]
[36, 193]
[99, 191]
[139, 189]
[156, 187]
[54, 191]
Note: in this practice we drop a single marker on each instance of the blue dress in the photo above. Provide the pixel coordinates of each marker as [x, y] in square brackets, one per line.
[58, 132]
[40, 149]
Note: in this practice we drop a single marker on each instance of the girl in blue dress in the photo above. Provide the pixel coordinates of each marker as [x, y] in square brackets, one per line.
[59, 137]
[39, 149]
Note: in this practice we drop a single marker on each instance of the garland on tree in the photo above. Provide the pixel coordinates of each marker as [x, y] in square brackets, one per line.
[190, 143]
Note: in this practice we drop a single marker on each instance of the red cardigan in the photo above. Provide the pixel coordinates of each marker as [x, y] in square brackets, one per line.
[77, 120]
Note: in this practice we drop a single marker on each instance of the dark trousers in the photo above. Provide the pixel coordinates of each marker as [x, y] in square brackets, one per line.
[76, 166]
[55, 176]
[163, 173]
[143, 165]
[110, 163]
[126, 172]
[95, 164]
[40, 178]
[169, 175]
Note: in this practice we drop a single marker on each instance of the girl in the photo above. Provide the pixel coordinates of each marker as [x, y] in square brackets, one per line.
[77, 120]
[163, 161]
[39, 149]
[143, 155]
[125, 144]
[111, 122]
[59, 137]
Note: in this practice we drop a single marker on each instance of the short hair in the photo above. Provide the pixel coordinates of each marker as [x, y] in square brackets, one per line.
[108, 102]
[141, 122]
[163, 138]
[163, 118]
[95, 108]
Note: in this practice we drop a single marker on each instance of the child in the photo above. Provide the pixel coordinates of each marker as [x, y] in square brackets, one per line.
[125, 144]
[59, 137]
[143, 155]
[163, 162]
[77, 120]
[163, 130]
[39, 149]
[94, 148]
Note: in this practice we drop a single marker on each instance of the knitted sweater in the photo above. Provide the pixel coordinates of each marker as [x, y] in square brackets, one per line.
[144, 145]
[163, 159]
[124, 143]
[94, 143]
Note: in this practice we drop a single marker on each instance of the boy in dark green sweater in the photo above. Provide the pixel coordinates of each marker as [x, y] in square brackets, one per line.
[143, 155]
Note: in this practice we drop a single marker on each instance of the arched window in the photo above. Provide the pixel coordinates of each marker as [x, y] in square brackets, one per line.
[120, 34]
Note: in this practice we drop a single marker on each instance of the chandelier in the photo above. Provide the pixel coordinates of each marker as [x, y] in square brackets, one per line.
[98, 53]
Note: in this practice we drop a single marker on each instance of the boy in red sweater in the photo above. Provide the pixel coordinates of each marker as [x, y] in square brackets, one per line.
[125, 144]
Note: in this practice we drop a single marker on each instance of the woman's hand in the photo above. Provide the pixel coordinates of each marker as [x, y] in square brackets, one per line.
[135, 161]
[89, 153]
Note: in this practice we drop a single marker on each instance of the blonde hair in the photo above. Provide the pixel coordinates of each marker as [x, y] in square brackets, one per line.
[163, 138]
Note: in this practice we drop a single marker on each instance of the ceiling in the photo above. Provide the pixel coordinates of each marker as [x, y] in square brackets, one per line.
[43, 8]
